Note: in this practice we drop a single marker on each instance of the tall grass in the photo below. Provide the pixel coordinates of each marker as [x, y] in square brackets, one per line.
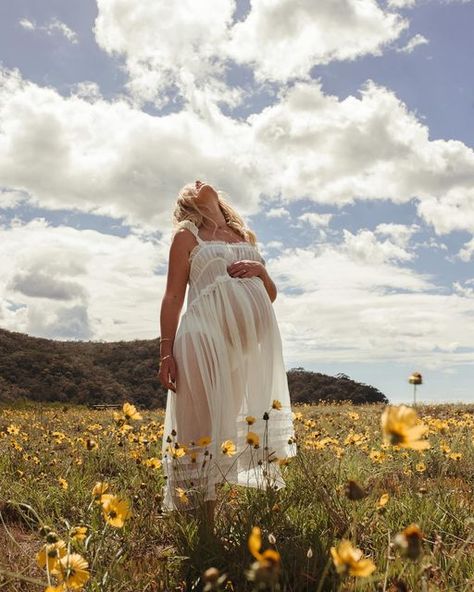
[52, 456]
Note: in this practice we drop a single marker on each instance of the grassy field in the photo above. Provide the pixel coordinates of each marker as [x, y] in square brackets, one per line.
[369, 505]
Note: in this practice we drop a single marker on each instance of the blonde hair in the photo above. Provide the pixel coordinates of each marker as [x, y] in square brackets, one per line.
[187, 209]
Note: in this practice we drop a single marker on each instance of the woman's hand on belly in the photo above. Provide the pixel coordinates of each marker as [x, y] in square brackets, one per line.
[246, 268]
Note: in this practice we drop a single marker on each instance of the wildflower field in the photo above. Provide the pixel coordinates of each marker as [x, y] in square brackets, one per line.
[379, 497]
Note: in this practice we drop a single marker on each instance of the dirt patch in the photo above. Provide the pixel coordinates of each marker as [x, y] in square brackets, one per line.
[19, 547]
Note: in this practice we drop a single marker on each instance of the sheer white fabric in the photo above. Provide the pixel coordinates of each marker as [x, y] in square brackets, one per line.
[230, 365]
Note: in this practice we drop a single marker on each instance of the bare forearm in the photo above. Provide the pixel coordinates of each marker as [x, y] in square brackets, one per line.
[269, 284]
[169, 318]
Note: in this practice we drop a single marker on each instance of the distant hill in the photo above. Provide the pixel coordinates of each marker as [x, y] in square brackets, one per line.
[87, 372]
[309, 387]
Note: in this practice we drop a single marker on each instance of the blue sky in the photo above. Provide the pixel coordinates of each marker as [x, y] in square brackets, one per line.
[347, 144]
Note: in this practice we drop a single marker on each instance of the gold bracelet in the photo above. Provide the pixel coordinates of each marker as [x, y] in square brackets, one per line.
[165, 338]
[164, 357]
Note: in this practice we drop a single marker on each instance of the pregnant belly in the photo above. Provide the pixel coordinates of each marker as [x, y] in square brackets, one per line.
[247, 313]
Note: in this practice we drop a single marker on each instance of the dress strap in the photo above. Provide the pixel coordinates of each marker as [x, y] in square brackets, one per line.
[192, 227]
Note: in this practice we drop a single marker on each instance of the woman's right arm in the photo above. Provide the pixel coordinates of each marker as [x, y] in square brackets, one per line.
[172, 303]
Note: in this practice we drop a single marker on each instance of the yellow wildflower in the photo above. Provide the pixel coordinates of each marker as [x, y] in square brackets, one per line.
[63, 483]
[383, 500]
[267, 567]
[228, 447]
[130, 412]
[182, 495]
[51, 553]
[400, 428]
[252, 438]
[348, 560]
[255, 543]
[78, 533]
[115, 509]
[98, 490]
[72, 570]
[204, 441]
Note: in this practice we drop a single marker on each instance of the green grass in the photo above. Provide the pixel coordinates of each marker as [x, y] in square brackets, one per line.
[156, 551]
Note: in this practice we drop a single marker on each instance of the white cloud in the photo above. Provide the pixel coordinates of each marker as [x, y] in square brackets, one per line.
[401, 3]
[169, 46]
[277, 213]
[467, 251]
[365, 307]
[307, 145]
[454, 209]
[465, 290]
[55, 25]
[110, 159]
[27, 24]
[10, 199]
[282, 39]
[185, 48]
[364, 246]
[59, 282]
[335, 152]
[274, 244]
[37, 284]
[87, 90]
[412, 43]
[52, 27]
[316, 220]
[399, 233]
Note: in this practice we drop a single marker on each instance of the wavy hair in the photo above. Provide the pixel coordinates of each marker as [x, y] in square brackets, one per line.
[187, 209]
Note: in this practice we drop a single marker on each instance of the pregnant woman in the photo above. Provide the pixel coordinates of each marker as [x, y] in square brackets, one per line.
[228, 414]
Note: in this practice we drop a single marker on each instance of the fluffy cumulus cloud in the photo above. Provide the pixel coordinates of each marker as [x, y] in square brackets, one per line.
[186, 50]
[307, 145]
[369, 148]
[453, 209]
[107, 158]
[283, 39]
[316, 220]
[167, 46]
[59, 282]
[365, 305]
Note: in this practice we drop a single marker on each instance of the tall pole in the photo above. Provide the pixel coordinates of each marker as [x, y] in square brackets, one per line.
[415, 379]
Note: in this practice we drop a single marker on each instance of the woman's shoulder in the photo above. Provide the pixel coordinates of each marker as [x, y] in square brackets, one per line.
[187, 224]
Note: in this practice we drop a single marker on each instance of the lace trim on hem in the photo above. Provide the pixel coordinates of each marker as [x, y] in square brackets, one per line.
[203, 488]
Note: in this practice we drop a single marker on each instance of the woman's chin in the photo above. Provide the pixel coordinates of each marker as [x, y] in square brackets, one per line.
[206, 192]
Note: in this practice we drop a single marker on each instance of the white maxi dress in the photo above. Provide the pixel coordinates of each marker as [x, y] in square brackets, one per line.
[229, 367]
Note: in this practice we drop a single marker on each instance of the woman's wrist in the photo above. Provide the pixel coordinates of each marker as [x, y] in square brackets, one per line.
[166, 345]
